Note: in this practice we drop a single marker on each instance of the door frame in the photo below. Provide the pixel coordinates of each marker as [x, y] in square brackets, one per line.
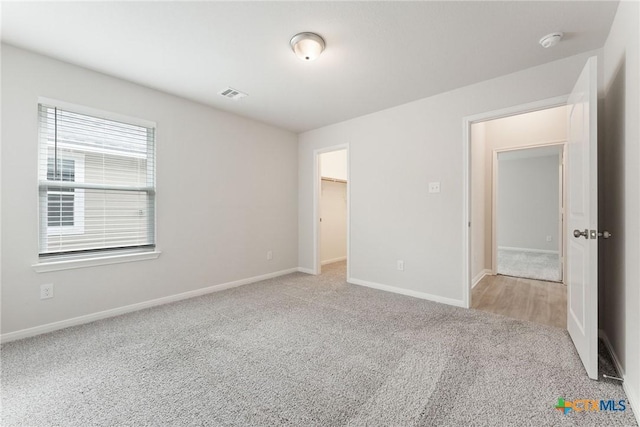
[467, 121]
[317, 186]
[494, 198]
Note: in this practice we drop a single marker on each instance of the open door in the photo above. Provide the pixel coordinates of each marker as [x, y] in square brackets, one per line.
[582, 218]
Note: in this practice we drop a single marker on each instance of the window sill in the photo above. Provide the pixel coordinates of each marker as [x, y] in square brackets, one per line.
[68, 264]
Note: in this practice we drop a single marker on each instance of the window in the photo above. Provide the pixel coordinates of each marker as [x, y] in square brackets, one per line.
[65, 206]
[96, 180]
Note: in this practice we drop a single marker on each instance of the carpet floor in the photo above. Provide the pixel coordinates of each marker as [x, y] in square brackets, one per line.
[530, 265]
[301, 350]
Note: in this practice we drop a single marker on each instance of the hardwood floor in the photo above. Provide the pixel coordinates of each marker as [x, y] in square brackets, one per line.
[525, 299]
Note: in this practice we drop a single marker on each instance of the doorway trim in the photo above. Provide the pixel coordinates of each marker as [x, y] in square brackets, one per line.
[317, 185]
[494, 198]
[466, 175]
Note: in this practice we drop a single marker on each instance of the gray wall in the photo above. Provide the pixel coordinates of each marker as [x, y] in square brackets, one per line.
[226, 194]
[528, 201]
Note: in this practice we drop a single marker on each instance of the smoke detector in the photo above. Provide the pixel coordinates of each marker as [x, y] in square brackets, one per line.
[551, 40]
[232, 93]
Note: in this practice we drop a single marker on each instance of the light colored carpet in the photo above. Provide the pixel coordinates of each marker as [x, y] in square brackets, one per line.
[530, 265]
[300, 350]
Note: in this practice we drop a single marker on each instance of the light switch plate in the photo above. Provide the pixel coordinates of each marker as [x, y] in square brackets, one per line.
[434, 187]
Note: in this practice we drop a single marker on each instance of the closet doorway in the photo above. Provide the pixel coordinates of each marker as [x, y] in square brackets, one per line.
[333, 199]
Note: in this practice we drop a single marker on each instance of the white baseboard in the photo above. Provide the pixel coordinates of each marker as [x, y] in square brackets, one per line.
[50, 327]
[330, 261]
[408, 292]
[306, 270]
[632, 396]
[539, 251]
[480, 276]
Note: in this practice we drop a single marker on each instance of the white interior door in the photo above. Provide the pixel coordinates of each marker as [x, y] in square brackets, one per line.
[582, 218]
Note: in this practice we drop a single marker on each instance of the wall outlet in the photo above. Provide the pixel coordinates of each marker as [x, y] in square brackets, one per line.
[269, 255]
[46, 291]
[434, 187]
[400, 265]
[548, 238]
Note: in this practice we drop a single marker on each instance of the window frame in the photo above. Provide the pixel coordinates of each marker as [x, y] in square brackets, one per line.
[78, 259]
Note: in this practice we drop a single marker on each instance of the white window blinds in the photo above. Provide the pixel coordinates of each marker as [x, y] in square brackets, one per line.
[97, 183]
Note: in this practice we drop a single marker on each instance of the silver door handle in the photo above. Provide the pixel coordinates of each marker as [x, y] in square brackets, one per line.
[577, 233]
[605, 234]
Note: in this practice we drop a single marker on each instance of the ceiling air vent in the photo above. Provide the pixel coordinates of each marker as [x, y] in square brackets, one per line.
[232, 93]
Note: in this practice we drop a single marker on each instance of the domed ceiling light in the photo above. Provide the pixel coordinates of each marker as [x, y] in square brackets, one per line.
[307, 46]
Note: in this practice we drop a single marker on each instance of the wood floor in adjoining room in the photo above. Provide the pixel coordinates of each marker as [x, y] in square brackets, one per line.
[524, 299]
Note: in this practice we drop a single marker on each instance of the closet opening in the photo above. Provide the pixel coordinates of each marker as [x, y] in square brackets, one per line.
[332, 212]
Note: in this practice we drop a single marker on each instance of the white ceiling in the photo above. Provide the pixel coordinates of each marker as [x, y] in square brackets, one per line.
[378, 55]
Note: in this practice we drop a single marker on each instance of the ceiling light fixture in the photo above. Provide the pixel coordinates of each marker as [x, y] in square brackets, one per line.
[551, 40]
[307, 46]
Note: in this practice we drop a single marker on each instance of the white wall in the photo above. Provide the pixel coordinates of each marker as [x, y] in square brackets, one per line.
[334, 164]
[619, 181]
[226, 194]
[394, 154]
[528, 201]
[536, 127]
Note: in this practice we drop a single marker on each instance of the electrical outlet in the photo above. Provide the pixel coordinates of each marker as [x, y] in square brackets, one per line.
[548, 238]
[434, 187]
[269, 255]
[46, 291]
[400, 265]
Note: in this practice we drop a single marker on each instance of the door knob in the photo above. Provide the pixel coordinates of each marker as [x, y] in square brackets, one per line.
[577, 233]
[605, 234]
